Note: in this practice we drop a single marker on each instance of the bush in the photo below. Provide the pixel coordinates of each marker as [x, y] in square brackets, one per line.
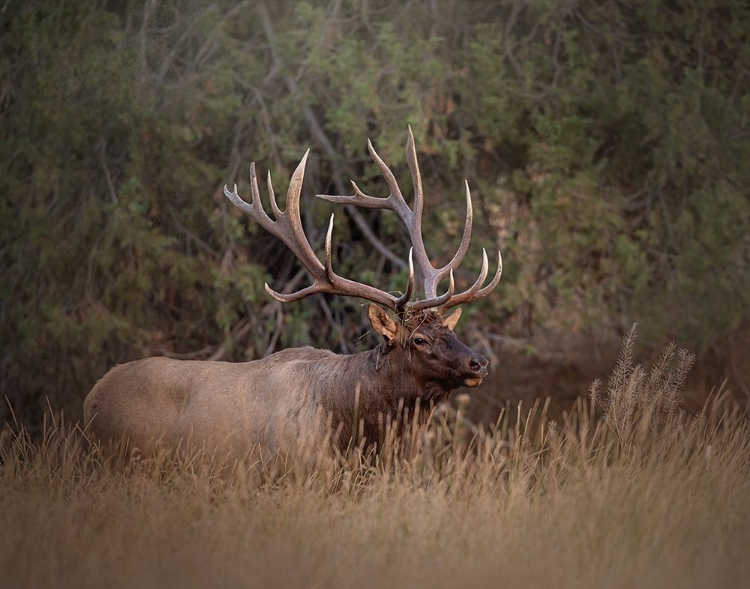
[605, 144]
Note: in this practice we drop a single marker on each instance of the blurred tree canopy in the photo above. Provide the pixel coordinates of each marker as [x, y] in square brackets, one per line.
[606, 144]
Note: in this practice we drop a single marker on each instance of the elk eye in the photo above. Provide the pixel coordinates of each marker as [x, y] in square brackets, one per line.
[419, 341]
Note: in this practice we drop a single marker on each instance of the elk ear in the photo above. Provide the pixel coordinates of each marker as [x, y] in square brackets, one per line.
[381, 322]
[451, 320]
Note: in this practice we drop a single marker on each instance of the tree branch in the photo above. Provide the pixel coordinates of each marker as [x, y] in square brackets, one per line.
[320, 136]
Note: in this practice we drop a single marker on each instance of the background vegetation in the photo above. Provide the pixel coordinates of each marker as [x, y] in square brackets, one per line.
[606, 144]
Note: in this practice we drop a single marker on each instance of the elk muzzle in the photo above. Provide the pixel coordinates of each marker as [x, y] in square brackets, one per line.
[475, 369]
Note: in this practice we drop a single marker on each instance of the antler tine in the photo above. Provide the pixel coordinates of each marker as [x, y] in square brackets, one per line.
[292, 297]
[403, 300]
[432, 276]
[463, 247]
[474, 292]
[394, 201]
[272, 197]
[416, 176]
[254, 207]
[495, 279]
[329, 267]
[473, 289]
[294, 234]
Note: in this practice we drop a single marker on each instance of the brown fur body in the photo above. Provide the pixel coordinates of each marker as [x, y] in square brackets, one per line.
[284, 399]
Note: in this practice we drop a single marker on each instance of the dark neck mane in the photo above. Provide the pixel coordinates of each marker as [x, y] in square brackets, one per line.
[371, 386]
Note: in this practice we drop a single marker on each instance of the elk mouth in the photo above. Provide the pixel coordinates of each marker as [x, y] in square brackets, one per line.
[473, 381]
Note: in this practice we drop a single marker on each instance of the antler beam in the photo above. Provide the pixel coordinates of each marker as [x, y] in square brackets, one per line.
[288, 228]
[412, 219]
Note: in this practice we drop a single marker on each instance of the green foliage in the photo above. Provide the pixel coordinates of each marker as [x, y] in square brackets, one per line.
[606, 146]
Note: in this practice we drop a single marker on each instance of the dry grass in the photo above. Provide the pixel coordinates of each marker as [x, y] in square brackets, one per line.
[642, 496]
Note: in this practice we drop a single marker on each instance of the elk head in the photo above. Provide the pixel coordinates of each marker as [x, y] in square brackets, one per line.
[435, 354]
[421, 328]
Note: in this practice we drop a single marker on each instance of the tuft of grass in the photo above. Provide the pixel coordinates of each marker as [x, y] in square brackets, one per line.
[625, 491]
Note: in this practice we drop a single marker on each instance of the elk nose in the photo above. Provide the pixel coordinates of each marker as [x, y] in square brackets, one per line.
[477, 364]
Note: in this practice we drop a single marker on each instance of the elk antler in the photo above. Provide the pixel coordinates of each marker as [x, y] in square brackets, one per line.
[288, 228]
[413, 220]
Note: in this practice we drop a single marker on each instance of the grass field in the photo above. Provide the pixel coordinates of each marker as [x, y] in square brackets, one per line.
[626, 492]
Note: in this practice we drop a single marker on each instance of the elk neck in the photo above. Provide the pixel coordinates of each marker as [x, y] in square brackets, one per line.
[372, 385]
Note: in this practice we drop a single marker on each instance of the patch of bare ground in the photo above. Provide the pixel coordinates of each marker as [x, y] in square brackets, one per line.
[634, 494]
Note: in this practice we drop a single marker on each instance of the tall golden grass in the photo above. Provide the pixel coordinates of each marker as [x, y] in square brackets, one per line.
[625, 491]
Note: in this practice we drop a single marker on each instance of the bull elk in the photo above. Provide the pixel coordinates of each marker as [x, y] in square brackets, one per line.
[276, 401]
